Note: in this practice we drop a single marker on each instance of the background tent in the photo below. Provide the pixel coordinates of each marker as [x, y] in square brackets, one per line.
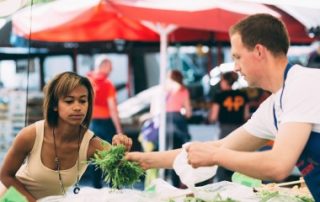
[307, 12]
[87, 25]
[7, 7]
[213, 15]
[67, 20]
[83, 26]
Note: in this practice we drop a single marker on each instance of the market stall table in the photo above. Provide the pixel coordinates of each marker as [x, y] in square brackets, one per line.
[161, 191]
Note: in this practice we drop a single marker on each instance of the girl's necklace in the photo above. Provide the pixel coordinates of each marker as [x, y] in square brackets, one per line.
[58, 165]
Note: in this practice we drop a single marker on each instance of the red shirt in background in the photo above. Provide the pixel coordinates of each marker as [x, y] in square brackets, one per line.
[103, 89]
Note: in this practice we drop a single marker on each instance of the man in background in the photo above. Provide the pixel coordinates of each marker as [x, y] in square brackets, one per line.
[314, 58]
[230, 108]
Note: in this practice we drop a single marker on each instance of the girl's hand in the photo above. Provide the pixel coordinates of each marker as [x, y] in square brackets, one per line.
[122, 139]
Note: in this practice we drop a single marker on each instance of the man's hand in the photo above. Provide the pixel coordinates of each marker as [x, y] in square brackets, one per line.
[201, 154]
[122, 139]
[140, 158]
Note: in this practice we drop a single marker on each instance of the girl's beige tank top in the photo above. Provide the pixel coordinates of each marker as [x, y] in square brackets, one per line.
[42, 181]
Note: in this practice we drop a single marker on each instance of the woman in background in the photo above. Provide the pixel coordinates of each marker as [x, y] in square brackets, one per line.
[178, 110]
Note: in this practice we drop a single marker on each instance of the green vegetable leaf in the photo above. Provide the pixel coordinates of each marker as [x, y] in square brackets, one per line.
[115, 168]
[215, 198]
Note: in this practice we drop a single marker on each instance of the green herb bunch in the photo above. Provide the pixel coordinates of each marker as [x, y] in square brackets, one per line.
[115, 168]
[217, 198]
[266, 195]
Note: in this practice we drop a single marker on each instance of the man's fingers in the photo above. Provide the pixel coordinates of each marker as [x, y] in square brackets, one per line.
[128, 156]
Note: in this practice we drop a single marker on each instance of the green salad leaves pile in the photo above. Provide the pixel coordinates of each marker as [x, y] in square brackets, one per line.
[116, 170]
[216, 198]
[267, 196]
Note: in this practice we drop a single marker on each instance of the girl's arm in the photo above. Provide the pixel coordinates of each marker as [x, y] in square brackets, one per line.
[97, 143]
[15, 157]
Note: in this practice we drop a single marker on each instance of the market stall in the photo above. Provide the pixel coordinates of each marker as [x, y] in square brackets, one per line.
[161, 191]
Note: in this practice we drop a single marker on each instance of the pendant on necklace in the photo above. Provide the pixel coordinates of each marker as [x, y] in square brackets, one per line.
[76, 189]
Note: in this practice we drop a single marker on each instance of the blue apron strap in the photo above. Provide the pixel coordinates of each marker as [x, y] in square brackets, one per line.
[288, 67]
[275, 121]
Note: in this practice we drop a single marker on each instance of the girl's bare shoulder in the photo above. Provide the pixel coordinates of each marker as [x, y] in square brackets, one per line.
[26, 137]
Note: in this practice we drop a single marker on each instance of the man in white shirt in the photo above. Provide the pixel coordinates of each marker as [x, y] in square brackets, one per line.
[290, 116]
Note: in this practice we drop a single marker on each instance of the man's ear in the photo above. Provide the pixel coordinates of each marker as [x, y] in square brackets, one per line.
[259, 51]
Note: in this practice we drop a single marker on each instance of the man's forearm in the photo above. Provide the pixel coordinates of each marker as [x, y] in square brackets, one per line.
[240, 140]
[163, 159]
[262, 165]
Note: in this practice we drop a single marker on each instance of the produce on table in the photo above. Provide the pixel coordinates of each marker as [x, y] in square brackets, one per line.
[276, 196]
[216, 198]
[272, 192]
[115, 168]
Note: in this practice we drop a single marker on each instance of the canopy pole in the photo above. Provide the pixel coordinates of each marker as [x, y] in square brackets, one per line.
[163, 30]
[163, 72]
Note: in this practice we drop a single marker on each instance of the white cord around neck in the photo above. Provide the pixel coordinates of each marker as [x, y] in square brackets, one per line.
[58, 165]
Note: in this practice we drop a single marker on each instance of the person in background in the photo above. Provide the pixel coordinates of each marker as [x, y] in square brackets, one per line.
[50, 156]
[230, 109]
[314, 58]
[290, 115]
[256, 96]
[105, 118]
[178, 110]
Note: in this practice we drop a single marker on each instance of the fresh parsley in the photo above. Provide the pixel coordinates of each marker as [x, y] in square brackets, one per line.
[115, 168]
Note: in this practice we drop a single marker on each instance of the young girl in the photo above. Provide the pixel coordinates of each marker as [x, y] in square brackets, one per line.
[50, 156]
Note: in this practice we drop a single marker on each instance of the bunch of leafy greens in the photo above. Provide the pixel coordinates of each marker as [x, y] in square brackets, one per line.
[266, 196]
[116, 170]
[216, 198]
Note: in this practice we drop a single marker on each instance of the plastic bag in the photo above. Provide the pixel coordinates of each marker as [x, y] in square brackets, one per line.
[189, 175]
[226, 190]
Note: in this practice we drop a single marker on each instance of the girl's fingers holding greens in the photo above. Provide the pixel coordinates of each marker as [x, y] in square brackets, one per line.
[120, 139]
[128, 144]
